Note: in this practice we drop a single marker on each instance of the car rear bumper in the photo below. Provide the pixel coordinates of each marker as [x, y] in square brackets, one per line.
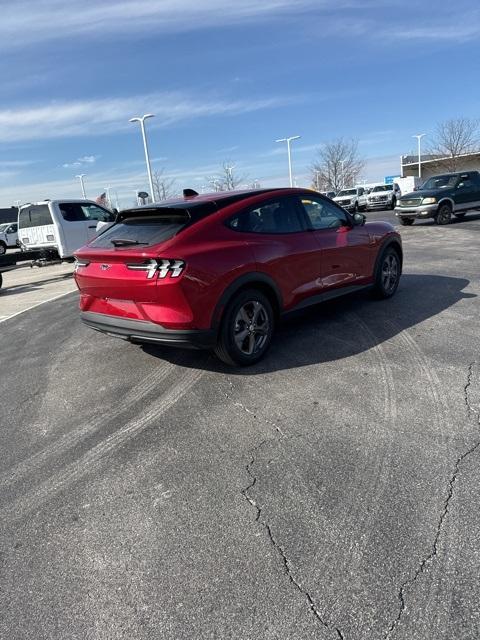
[422, 211]
[144, 331]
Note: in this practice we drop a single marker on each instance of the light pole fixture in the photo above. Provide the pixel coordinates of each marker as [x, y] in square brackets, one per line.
[81, 177]
[289, 141]
[141, 120]
[419, 136]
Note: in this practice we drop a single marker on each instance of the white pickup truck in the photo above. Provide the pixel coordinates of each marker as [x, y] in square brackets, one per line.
[60, 227]
[8, 236]
[353, 199]
[383, 196]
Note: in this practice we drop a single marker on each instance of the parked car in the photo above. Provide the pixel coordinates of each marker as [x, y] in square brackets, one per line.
[218, 270]
[352, 199]
[383, 196]
[8, 236]
[61, 226]
[441, 197]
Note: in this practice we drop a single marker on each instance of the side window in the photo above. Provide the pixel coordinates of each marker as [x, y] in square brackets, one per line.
[92, 212]
[361, 191]
[324, 214]
[72, 211]
[278, 216]
[465, 183]
[34, 216]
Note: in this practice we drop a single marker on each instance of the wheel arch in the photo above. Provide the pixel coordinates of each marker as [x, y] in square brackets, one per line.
[393, 243]
[252, 280]
[446, 200]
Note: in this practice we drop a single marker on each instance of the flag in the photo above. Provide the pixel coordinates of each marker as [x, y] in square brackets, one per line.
[102, 200]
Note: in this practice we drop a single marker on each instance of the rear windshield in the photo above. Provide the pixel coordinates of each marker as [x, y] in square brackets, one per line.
[145, 230]
[34, 215]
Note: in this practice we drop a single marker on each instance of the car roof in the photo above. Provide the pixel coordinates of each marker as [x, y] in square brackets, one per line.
[219, 198]
[58, 201]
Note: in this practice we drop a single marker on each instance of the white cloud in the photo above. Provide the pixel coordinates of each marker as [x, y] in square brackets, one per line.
[50, 19]
[81, 162]
[89, 117]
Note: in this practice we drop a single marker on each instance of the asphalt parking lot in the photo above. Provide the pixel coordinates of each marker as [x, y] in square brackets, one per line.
[330, 492]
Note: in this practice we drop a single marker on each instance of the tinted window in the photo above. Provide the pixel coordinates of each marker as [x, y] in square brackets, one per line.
[34, 216]
[72, 211]
[324, 214]
[465, 184]
[92, 212]
[145, 230]
[278, 216]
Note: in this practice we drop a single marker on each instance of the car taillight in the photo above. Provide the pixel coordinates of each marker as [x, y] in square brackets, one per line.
[81, 263]
[161, 267]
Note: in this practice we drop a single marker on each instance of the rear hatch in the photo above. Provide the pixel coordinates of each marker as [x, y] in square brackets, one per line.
[36, 227]
[126, 261]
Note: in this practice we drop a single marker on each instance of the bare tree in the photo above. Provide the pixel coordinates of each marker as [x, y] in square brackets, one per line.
[453, 138]
[227, 179]
[338, 165]
[163, 186]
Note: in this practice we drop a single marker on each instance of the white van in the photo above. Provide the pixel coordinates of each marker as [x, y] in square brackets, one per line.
[61, 226]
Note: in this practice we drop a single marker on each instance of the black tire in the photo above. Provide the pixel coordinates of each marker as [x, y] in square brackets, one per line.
[355, 208]
[240, 343]
[444, 214]
[388, 272]
[3, 248]
[394, 204]
[406, 222]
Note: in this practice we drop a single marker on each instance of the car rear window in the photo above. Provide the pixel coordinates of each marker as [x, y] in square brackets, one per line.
[34, 216]
[145, 230]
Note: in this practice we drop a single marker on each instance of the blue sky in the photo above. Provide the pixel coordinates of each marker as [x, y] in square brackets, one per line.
[224, 80]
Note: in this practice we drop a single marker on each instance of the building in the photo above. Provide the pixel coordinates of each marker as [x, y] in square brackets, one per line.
[433, 165]
[8, 215]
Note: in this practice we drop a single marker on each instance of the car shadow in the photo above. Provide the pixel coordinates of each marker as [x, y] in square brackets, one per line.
[338, 329]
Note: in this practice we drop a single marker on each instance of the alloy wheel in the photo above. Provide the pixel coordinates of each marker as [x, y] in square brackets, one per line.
[251, 328]
[390, 273]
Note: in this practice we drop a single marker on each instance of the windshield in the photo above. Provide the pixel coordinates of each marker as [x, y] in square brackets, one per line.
[440, 182]
[347, 192]
[382, 187]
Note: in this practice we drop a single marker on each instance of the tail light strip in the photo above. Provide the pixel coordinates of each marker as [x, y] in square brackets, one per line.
[162, 267]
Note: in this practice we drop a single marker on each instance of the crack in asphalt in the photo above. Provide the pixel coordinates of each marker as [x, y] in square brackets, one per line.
[252, 413]
[451, 484]
[276, 545]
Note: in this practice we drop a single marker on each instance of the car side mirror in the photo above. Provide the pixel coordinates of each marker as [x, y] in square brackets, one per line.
[358, 219]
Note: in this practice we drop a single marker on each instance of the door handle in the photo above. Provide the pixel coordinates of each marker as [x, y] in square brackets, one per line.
[92, 226]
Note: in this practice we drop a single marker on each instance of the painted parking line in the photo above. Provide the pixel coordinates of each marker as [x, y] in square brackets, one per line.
[37, 304]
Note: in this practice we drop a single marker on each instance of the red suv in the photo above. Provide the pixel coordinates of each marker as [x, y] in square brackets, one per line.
[217, 270]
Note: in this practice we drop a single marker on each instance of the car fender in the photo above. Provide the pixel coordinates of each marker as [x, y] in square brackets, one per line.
[250, 278]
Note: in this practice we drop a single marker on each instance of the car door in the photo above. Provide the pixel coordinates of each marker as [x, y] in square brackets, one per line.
[347, 251]
[466, 192]
[73, 226]
[282, 245]
[97, 219]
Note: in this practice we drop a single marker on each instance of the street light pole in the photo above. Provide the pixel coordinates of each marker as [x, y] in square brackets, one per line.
[81, 177]
[289, 141]
[419, 136]
[342, 162]
[141, 120]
